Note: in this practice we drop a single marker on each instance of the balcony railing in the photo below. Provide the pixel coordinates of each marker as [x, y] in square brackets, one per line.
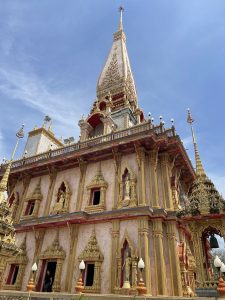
[148, 127]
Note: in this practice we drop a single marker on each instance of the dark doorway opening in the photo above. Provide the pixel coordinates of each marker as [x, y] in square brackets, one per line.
[14, 269]
[49, 276]
[89, 278]
[96, 194]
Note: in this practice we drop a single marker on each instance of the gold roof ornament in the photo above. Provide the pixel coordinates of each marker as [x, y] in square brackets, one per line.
[37, 194]
[116, 75]
[7, 231]
[203, 198]
[121, 10]
[199, 168]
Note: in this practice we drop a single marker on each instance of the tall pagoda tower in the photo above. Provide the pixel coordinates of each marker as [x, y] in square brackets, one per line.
[109, 200]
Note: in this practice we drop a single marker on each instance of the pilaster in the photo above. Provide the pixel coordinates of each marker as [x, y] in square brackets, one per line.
[140, 155]
[52, 175]
[26, 181]
[73, 235]
[175, 273]
[154, 196]
[115, 252]
[83, 168]
[198, 254]
[143, 249]
[168, 201]
[157, 232]
[117, 163]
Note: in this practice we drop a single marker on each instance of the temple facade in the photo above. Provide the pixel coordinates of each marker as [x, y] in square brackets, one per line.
[121, 193]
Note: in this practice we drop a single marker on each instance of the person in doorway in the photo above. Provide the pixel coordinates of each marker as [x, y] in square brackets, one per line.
[48, 282]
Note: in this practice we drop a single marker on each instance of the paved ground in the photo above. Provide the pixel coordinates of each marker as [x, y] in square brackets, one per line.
[14, 295]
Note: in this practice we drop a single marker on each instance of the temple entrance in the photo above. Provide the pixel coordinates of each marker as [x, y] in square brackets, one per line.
[47, 276]
[212, 245]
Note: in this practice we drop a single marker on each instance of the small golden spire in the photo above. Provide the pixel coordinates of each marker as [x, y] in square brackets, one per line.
[4, 181]
[121, 10]
[5, 178]
[199, 168]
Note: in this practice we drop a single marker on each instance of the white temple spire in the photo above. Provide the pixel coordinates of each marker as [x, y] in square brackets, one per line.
[121, 10]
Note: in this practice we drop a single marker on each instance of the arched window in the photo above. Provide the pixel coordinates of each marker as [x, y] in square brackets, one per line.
[126, 276]
[126, 185]
[127, 192]
[63, 195]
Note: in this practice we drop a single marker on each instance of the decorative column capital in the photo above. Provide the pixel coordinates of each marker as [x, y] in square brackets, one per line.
[157, 228]
[140, 154]
[153, 158]
[164, 158]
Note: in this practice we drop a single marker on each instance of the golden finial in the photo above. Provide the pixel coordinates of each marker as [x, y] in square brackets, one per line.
[121, 10]
[5, 178]
[46, 120]
[199, 168]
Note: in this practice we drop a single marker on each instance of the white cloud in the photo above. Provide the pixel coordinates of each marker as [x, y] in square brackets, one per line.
[38, 94]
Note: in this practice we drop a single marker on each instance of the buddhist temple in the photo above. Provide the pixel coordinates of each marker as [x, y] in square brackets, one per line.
[121, 206]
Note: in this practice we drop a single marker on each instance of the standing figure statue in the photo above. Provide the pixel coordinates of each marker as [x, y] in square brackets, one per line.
[126, 268]
[127, 189]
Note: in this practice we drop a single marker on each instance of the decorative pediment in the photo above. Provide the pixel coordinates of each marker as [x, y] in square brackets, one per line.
[92, 251]
[203, 199]
[54, 251]
[36, 194]
[99, 185]
[21, 257]
[98, 181]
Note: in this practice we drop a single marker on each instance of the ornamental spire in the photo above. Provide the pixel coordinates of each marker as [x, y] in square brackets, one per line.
[121, 10]
[199, 167]
[116, 76]
[5, 178]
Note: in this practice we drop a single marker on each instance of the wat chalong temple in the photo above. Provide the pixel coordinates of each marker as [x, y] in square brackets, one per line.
[119, 210]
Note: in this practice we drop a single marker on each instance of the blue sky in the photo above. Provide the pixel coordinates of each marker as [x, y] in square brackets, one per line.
[52, 51]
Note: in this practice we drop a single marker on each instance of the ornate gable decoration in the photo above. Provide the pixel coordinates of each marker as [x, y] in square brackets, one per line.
[97, 183]
[92, 251]
[204, 199]
[98, 180]
[21, 257]
[54, 251]
[37, 194]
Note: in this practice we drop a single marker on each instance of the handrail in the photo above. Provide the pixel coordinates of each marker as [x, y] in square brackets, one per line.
[147, 126]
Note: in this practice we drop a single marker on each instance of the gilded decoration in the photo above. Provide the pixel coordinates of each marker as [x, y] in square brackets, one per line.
[20, 260]
[98, 184]
[187, 268]
[93, 254]
[55, 252]
[200, 230]
[32, 202]
[203, 199]
[117, 76]
[126, 267]
[63, 196]
[13, 203]
[127, 189]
